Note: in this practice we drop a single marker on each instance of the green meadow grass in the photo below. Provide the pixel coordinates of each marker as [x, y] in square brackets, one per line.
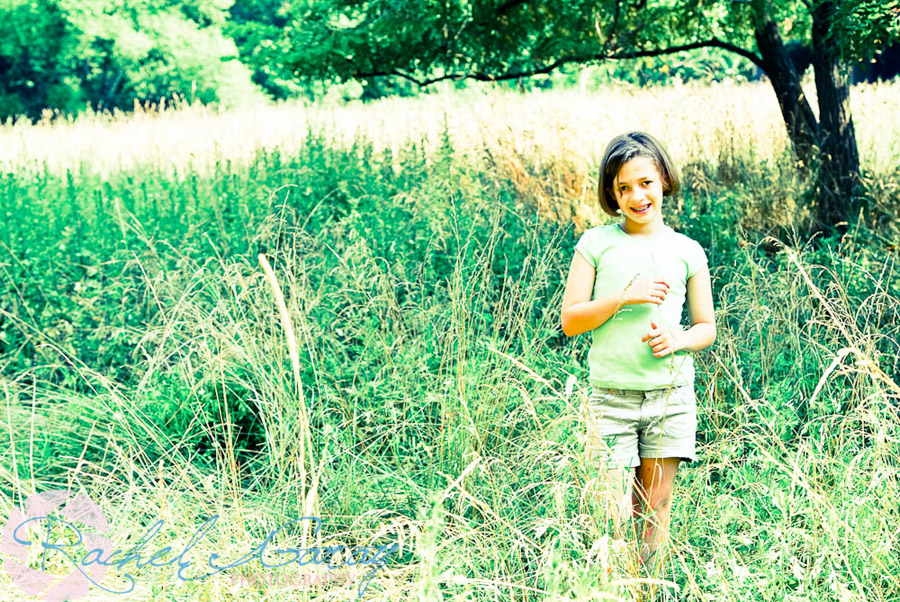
[401, 373]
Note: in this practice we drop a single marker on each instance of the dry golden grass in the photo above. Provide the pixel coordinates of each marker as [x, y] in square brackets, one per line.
[694, 121]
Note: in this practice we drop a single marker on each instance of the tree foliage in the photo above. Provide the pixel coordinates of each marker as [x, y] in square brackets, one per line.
[862, 27]
[256, 26]
[65, 54]
[32, 37]
[427, 40]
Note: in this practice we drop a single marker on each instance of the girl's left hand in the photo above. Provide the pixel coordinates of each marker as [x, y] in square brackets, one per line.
[661, 340]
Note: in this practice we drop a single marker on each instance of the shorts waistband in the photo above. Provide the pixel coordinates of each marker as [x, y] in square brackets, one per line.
[613, 391]
[617, 391]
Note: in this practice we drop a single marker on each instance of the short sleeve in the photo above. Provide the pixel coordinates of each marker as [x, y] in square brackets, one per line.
[589, 247]
[696, 259]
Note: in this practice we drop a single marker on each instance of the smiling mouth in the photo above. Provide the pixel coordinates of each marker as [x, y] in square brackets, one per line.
[641, 210]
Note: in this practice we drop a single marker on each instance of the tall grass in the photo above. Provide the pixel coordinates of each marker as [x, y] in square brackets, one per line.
[408, 318]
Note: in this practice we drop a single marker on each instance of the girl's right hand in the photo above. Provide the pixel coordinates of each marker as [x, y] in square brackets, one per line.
[646, 290]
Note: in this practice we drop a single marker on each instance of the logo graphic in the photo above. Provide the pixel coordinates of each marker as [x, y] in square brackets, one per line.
[22, 531]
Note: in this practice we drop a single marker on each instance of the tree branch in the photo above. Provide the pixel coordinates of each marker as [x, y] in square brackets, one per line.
[712, 43]
[481, 76]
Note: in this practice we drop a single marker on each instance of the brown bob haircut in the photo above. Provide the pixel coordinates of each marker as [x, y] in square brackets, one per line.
[622, 149]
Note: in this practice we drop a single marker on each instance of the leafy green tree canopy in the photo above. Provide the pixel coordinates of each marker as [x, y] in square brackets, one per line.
[428, 40]
[65, 54]
[256, 26]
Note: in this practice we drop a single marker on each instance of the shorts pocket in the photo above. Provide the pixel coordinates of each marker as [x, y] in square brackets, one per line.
[679, 396]
[682, 412]
[687, 396]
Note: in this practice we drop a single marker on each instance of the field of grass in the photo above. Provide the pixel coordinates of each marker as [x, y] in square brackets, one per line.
[353, 313]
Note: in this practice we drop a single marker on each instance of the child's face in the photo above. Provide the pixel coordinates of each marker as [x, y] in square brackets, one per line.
[639, 191]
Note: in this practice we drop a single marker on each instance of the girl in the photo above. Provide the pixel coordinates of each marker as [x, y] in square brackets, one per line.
[627, 285]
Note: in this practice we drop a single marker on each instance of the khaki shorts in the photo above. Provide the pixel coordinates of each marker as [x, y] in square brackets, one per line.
[624, 426]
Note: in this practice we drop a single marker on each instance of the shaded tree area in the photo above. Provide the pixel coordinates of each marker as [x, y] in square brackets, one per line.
[257, 28]
[426, 41]
[67, 54]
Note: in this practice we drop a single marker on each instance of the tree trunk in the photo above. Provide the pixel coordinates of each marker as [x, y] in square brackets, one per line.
[839, 156]
[802, 128]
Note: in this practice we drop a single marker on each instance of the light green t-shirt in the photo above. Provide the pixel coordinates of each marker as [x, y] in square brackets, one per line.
[618, 359]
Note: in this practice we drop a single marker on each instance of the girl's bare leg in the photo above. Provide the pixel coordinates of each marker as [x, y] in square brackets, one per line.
[655, 481]
[620, 499]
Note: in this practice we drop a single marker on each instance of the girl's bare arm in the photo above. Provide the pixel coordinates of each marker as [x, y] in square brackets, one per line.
[580, 314]
[702, 332]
